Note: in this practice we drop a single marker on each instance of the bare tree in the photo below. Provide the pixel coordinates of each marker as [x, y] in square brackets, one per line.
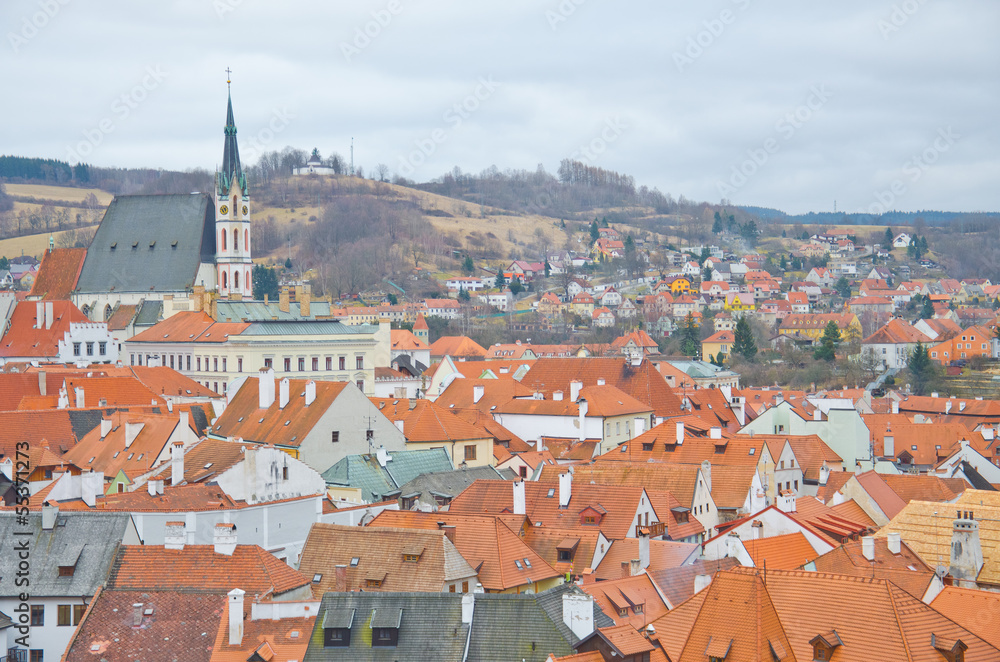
[382, 172]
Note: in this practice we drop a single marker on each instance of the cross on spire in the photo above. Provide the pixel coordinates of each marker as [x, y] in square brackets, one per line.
[228, 77]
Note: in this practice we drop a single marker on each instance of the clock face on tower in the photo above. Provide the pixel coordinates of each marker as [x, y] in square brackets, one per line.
[246, 210]
[224, 209]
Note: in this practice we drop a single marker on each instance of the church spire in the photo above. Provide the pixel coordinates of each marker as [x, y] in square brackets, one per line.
[232, 170]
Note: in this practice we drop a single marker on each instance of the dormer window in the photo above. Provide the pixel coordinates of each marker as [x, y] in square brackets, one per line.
[337, 628]
[952, 650]
[824, 645]
[385, 627]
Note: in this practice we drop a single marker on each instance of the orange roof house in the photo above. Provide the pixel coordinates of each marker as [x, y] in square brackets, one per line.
[972, 342]
[629, 600]
[36, 329]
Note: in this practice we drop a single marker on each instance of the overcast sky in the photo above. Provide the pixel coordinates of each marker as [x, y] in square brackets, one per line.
[794, 105]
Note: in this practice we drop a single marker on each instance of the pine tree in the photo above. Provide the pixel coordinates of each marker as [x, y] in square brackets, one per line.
[927, 309]
[468, 265]
[827, 350]
[595, 233]
[922, 370]
[691, 338]
[463, 295]
[743, 342]
[784, 263]
[717, 226]
[843, 287]
[888, 239]
[500, 280]
[265, 282]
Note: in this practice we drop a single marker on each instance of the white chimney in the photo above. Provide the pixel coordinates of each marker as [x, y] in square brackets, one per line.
[889, 446]
[42, 384]
[947, 407]
[478, 391]
[557, 396]
[177, 463]
[817, 414]
[701, 582]
[966, 550]
[961, 405]
[468, 606]
[578, 614]
[39, 314]
[868, 548]
[182, 420]
[732, 545]
[48, 315]
[987, 433]
[574, 390]
[520, 505]
[174, 536]
[283, 393]
[715, 433]
[91, 485]
[893, 542]
[49, 514]
[583, 408]
[78, 394]
[680, 432]
[310, 392]
[265, 388]
[236, 617]
[706, 471]
[824, 473]
[895, 406]
[132, 430]
[565, 489]
[106, 424]
[155, 486]
[644, 549]
[382, 455]
[786, 502]
[224, 538]
[600, 381]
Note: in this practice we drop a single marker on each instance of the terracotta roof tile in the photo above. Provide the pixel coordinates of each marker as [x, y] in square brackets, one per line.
[168, 382]
[426, 421]
[979, 611]
[580, 544]
[57, 275]
[906, 570]
[404, 340]
[457, 347]
[23, 339]
[636, 596]
[114, 452]
[122, 317]
[663, 554]
[460, 394]
[677, 584]
[785, 552]
[263, 639]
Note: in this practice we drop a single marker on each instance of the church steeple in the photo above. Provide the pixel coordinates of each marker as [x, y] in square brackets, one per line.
[232, 171]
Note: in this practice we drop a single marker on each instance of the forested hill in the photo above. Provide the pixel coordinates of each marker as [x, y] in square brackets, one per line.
[904, 218]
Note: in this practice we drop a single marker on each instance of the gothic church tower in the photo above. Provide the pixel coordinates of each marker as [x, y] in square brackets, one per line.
[232, 218]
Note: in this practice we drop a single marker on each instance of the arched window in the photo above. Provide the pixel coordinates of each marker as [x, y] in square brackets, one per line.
[234, 206]
[222, 238]
[247, 281]
[236, 280]
[246, 240]
[225, 280]
[107, 312]
[236, 240]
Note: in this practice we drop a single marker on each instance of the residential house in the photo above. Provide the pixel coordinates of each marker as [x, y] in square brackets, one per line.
[524, 271]
[468, 283]
[375, 477]
[583, 305]
[53, 331]
[610, 298]
[894, 342]
[813, 325]
[427, 425]
[821, 276]
[971, 342]
[720, 342]
[460, 348]
[739, 302]
[902, 240]
[603, 318]
[883, 496]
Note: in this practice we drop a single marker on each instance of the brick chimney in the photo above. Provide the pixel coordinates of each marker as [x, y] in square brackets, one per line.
[449, 531]
[236, 617]
[224, 538]
[305, 300]
[174, 536]
[284, 300]
[340, 578]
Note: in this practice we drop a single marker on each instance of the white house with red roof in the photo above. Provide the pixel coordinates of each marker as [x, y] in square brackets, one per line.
[54, 332]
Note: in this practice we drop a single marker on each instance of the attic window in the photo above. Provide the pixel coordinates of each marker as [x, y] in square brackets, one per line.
[527, 563]
[354, 561]
[152, 244]
[287, 423]
[174, 244]
[130, 456]
[207, 465]
[751, 451]
[518, 564]
[551, 492]
[317, 578]
[240, 419]
[135, 244]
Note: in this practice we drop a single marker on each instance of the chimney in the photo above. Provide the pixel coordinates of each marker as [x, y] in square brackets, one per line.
[132, 430]
[557, 396]
[174, 536]
[91, 485]
[182, 420]
[868, 548]
[283, 393]
[48, 315]
[966, 550]
[786, 501]
[449, 531]
[49, 514]
[584, 408]
[732, 546]
[78, 394]
[715, 433]
[947, 407]
[265, 388]
[284, 300]
[893, 541]
[41, 383]
[680, 432]
[155, 486]
[779, 398]
[224, 538]
[565, 489]
[889, 446]
[988, 434]
[706, 471]
[310, 392]
[824, 473]
[478, 390]
[574, 390]
[382, 455]
[106, 424]
[817, 414]
[305, 301]
[340, 578]
[468, 606]
[177, 463]
[634, 567]
[895, 406]
[578, 613]
[519, 498]
[701, 582]
[236, 617]
[644, 548]
[39, 314]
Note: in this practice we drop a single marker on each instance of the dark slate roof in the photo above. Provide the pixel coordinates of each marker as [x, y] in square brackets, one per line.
[430, 628]
[87, 539]
[82, 421]
[149, 313]
[450, 482]
[150, 243]
[375, 481]
[976, 478]
[551, 602]
[507, 626]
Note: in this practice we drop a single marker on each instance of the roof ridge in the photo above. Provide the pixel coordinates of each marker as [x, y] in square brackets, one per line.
[895, 614]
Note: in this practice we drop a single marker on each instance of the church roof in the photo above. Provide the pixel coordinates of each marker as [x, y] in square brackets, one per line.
[148, 243]
[232, 170]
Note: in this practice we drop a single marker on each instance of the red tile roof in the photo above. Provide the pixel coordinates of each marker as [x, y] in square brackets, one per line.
[663, 554]
[58, 273]
[979, 611]
[109, 454]
[427, 422]
[628, 600]
[906, 570]
[457, 347]
[23, 339]
[460, 394]
[404, 340]
[785, 552]
[263, 639]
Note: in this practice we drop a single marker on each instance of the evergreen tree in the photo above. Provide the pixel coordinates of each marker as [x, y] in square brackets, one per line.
[463, 295]
[393, 299]
[691, 338]
[548, 268]
[796, 264]
[783, 264]
[717, 226]
[468, 265]
[288, 263]
[922, 370]
[843, 287]
[927, 309]
[783, 234]
[515, 286]
[707, 275]
[743, 342]
[500, 280]
[4, 263]
[827, 350]
[264, 280]
[595, 232]
[888, 239]
[923, 245]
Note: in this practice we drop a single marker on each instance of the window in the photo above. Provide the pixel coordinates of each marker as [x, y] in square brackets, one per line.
[565, 555]
[329, 363]
[315, 363]
[288, 364]
[267, 363]
[470, 452]
[189, 362]
[36, 655]
[223, 364]
[411, 558]
[796, 484]
[465, 587]
[369, 435]
[284, 473]
[102, 348]
[335, 436]
[384, 636]
[343, 363]
[37, 615]
[360, 384]
[336, 637]
[78, 612]
[64, 615]
[239, 365]
[637, 608]
[360, 361]
[171, 361]
[522, 472]
[215, 365]
[451, 588]
[197, 363]
[589, 519]
[68, 570]
[90, 349]
[373, 583]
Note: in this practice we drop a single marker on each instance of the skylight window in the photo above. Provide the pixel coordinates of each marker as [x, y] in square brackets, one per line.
[527, 563]
[355, 561]
[317, 578]
[751, 451]
[551, 492]
[518, 564]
